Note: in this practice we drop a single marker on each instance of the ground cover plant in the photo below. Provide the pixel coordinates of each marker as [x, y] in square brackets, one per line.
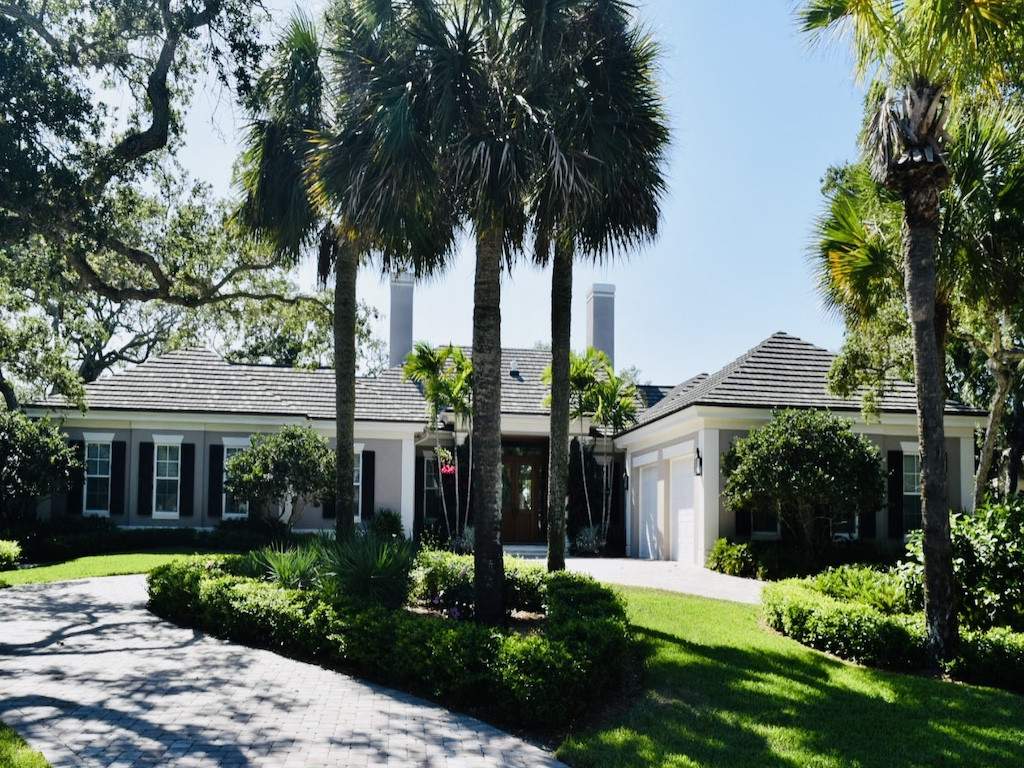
[15, 753]
[542, 677]
[719, 691]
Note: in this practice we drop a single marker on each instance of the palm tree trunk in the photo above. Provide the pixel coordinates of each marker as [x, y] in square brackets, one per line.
[346, 267]
[489, 568]
[440, 481]
[996, 410]
[920, 237]
[583, 471]
[558, 452]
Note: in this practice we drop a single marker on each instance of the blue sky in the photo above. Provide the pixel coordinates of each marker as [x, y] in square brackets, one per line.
[756, 115]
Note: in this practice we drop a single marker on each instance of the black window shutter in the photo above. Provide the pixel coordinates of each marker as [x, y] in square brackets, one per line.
[145, 479]
[73, 500]
[215, 486]
[366, 485]
[895, 506]
[118, 470]
[744, 521]
[188, 479]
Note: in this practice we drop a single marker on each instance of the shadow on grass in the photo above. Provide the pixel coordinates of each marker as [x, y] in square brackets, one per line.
[771, 702]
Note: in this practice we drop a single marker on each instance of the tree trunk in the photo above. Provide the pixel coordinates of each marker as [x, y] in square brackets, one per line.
[996, 409]
[346, 267]
[558, 453]
[489, 567]
[9, 395]
[920, 235]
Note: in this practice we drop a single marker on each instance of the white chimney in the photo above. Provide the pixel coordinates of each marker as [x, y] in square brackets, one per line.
[601, 319]
[400, 339]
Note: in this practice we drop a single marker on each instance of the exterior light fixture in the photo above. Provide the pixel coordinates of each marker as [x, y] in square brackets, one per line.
[698, 464]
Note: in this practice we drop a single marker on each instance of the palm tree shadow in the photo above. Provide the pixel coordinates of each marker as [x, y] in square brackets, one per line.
[723, 705]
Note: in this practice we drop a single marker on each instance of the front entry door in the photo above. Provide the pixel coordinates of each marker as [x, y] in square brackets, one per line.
[522, 499]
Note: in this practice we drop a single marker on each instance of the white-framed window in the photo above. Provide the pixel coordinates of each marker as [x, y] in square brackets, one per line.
[96, 489]
[357, 481]
[234, 509]
[166, 480]
[911, 491]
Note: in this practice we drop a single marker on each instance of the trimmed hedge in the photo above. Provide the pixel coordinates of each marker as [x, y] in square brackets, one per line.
[862, 633]
[541, 680]
[82, 537]
[444, 580]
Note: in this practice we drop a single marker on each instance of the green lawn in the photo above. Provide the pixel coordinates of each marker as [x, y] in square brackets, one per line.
[98, 565]
[14, 753]
[720, 690]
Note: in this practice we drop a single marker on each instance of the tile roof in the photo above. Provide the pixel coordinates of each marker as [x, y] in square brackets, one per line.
[200, 381]
[782, 371]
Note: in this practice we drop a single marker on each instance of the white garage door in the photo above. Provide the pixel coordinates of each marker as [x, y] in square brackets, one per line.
[650, 547]
[684, 530]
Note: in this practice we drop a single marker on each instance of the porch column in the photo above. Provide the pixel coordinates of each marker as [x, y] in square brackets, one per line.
[627, 502]
[408, 484]
[705, 502]
[967, 473]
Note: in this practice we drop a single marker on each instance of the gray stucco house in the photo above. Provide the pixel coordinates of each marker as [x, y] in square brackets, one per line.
[154, 439]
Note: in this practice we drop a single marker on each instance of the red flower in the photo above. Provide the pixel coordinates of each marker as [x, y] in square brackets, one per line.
[447, 469]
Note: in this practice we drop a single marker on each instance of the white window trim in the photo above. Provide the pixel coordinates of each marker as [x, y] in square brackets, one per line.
[98, 438]
[231, 443]
[914, 449]
[174, 441]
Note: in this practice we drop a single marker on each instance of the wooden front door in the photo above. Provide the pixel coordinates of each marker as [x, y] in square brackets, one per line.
[522, 497]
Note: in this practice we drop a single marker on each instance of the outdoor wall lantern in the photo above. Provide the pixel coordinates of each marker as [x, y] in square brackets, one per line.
[698, 464]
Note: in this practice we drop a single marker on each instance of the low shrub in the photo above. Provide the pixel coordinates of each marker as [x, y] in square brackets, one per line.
[859, 632]
[541, 680]
[71, 537]
[588, 541]
[10, 554]
[882, 590]
[734, 559]
[368, 569]
[988, 564]
[445, 580]
[385, 524]
[294, 568]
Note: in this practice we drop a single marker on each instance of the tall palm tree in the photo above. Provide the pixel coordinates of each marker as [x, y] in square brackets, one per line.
[288, 110]
[923, 55]
[599, 190]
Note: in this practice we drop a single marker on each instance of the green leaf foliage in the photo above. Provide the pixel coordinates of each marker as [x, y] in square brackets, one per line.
[808, 467]
[35, 460]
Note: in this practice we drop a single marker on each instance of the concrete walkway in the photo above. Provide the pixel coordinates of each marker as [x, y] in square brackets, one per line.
[671, 576]
[91, 678]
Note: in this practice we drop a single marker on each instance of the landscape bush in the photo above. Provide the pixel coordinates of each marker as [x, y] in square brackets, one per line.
[386, 524]
[444, 580]
[70, 537]
[988, 565]
[857, 631]
[883, 590]
[292, 568]
[782, 559]
[542, 680]
[10, 554]
[368, 569]
[733, 559]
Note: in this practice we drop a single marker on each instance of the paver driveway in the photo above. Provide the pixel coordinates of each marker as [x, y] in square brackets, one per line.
[670, 576]
[91, 678]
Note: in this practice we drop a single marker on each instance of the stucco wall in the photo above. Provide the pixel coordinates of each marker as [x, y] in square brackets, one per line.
[387, 476]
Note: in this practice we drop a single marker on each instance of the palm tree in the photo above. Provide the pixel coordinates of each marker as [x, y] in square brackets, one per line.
[980, 256]
[288, 110]
[615, 401]
[459, 383]
[426, 366]
[598, 194]
[923, 57]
